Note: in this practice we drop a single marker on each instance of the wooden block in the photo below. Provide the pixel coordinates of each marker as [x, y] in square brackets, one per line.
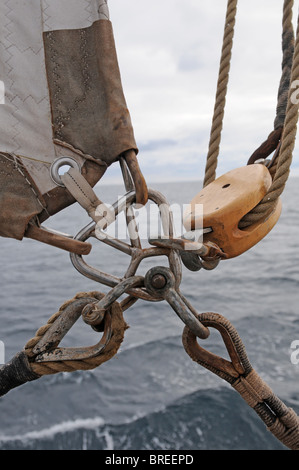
[226, 201]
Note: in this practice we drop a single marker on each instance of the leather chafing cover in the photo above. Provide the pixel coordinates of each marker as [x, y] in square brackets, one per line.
[89, 111]
[63, 97]
[19, 200]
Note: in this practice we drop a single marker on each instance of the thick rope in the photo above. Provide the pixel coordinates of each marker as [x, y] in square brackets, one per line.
[268, 204]
[222, 86]
[273, 142]
[288, 40]
[118, 327]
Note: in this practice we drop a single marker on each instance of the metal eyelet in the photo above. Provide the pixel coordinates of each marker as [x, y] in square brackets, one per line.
[60, 162]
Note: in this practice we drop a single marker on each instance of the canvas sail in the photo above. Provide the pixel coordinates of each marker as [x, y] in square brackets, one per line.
[62, 97]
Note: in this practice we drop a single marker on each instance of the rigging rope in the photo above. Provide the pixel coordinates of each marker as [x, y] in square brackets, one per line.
[288, 118]
[288, 40]
[222, 86]
[286, 113]
[42, 356]
[279, 419]
[47, 368]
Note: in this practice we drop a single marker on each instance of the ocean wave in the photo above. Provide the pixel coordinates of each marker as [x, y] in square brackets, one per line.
[205, 420]
[53, 431]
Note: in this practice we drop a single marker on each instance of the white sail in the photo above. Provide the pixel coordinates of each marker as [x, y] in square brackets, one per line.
[61, 96]
[25, 114]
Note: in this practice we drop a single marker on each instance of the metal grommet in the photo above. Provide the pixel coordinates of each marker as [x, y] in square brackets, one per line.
[60, 162]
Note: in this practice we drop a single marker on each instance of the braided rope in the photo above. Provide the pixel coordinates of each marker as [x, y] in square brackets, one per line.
[47, 368]
[281, 176]
[222, 86]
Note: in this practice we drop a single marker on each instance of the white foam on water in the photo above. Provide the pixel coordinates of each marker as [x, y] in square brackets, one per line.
[61, 428]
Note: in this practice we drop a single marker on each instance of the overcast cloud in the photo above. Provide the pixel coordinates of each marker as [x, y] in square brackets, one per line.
[169, 52]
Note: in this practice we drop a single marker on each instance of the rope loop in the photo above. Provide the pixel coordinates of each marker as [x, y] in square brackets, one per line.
[282, 139]
[280, 420]
[47, 358]
[286, 119]
[43, 356]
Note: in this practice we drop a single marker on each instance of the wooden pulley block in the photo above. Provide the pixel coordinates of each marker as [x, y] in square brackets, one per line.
[225, 202]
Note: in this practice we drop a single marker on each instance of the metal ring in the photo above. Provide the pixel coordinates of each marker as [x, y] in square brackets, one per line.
[57, 164]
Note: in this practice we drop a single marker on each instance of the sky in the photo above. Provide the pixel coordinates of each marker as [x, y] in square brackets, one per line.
[169, 54]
